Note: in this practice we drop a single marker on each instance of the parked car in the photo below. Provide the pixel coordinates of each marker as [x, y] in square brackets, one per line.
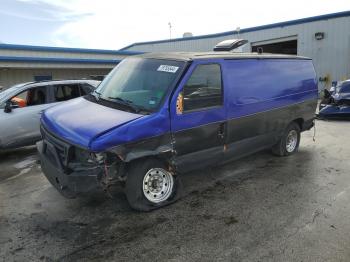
[342, 93]
[21, 106]
[156, 116]
[336, 104]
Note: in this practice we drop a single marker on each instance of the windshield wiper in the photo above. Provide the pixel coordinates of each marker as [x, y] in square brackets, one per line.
[129, 104]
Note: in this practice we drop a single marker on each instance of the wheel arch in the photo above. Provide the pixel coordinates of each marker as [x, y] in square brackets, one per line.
[300, 121]
[165, 158]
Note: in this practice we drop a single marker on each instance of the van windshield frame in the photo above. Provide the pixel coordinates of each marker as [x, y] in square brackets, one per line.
[141, 84]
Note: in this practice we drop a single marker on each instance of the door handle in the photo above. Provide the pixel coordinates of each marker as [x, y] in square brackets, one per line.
[221, 132]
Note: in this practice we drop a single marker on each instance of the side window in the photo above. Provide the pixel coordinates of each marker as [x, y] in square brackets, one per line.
[30, 97]
[66, 92]
[204, 88]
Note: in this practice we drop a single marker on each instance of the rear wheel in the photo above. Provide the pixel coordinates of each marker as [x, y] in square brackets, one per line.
[150, 185]
[289, 142]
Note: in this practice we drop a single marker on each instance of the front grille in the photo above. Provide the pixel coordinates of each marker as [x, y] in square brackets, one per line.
[62, 148]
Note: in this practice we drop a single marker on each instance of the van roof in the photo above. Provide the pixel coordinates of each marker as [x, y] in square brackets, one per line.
[188, 56]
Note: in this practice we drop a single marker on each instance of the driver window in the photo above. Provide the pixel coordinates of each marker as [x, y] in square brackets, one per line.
[203, 89]
[30, 97]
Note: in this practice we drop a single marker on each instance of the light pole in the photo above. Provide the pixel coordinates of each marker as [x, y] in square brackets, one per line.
[169, 24]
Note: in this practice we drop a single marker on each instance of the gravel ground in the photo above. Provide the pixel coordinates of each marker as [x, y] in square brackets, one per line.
[260, 208]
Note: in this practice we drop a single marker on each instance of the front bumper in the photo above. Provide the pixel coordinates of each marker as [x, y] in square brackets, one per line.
[71, 183]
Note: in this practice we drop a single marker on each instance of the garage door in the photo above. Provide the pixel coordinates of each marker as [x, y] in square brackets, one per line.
[287, 45]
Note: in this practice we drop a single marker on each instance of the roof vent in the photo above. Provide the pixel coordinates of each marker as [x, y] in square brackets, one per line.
[187, 34]
[230, 44]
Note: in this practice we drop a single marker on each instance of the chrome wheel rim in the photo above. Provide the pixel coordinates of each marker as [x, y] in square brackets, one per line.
[157, 185]
[291, 141]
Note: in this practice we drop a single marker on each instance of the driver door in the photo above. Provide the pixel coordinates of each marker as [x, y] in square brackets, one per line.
[21, 126]
[198, 117]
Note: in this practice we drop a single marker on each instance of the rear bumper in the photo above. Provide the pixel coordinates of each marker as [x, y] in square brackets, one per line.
[68, 184]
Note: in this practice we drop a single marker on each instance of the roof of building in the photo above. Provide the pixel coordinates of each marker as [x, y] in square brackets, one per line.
[246, 30]
[45, 59]
[188, 56]
[66, 49]
[57, 60]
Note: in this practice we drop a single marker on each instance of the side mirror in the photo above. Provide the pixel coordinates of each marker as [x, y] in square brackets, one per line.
[8, 107]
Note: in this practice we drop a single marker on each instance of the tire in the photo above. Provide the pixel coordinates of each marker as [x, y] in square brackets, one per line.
[289, 142]
[149, 185]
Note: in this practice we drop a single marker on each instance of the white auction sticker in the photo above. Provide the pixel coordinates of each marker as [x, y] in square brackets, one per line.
[168, 68]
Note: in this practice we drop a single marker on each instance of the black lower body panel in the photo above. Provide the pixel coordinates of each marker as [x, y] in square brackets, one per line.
[203, 146]
[68, 184]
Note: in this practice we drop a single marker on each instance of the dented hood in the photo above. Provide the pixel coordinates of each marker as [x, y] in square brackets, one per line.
[80, 121]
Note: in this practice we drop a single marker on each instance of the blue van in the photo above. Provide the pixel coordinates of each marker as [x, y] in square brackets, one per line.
[158, 115]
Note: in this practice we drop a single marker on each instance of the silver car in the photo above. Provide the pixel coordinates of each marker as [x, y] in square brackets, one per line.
[21, 106]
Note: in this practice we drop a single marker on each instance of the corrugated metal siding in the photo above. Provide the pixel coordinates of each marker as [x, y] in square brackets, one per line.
[20, 63]
[29, 53]
[14, 76]
[25, 65]
[331, 56]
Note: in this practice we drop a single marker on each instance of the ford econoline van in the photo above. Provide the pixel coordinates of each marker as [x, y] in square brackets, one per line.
[156, 116]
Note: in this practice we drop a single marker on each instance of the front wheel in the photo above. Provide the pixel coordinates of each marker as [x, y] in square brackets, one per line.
[289, 142]
[150, 185]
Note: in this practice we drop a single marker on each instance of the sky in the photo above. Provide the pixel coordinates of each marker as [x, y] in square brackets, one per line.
[113, 24]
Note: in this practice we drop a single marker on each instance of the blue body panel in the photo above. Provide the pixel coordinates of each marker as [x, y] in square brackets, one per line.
[145, 127]
[250, 86]
[80, 121]
[254, 86]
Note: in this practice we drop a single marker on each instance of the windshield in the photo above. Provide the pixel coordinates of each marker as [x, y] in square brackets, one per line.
[140, 83]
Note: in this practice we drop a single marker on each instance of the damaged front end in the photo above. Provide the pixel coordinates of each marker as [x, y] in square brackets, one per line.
[73, 170]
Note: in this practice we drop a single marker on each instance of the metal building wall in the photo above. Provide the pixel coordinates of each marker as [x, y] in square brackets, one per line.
[9, 77]
[21, 63]
[331, 55]
[57, 54]
[60, 52]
